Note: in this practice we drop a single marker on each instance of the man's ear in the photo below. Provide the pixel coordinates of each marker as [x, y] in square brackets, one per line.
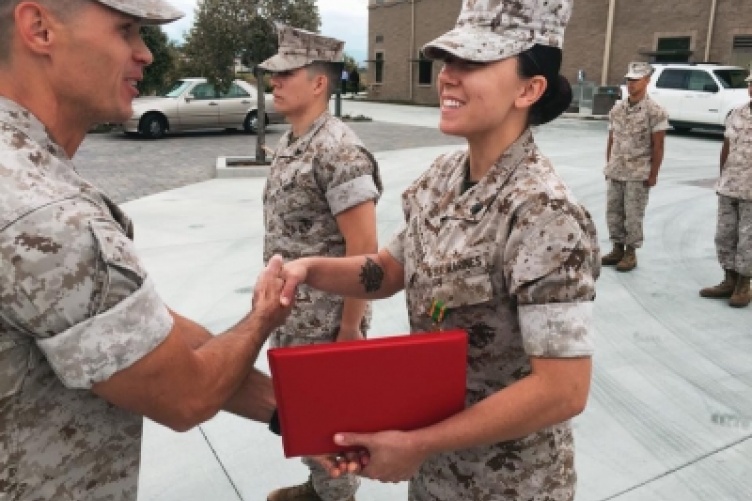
[35, 27]
[532, 90]
[320, 84]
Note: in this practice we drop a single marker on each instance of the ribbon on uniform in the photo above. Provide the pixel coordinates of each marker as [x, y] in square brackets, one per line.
[437, 311]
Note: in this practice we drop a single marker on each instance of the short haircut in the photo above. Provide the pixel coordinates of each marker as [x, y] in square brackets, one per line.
[62, 9]
[331, 71]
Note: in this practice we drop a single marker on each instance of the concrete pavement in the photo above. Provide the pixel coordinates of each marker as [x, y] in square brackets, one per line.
[670, 413]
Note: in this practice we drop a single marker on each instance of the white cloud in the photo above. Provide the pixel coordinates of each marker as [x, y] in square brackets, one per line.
[343, 19]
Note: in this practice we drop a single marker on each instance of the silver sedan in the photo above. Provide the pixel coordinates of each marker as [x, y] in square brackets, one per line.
[194, 103]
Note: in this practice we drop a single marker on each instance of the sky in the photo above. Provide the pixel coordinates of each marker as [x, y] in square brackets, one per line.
[343, 19]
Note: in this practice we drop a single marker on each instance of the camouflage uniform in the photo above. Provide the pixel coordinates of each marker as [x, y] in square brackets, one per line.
[147, 11]
[632, 127]
[515, 259]
[76, 306]
[491, 30]
[733, 239]
[312, 180]
[298, 48]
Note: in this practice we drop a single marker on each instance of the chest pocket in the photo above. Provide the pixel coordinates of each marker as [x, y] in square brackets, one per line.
[297, 203]
[121, 272]
[470, 285]
[16, 359]
[297, 195]
[636, 127]
[741, 133]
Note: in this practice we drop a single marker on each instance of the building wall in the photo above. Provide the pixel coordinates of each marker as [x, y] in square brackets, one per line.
[638, 25]
[584, 39]
[433, 19]
[392, 22]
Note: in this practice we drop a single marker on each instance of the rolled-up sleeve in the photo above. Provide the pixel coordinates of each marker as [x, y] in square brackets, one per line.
[351, 177]
[352, 193]
[552, 267]
[396, 246]
[659, 120]
[557, 330]
[77, 287]
[95, 349]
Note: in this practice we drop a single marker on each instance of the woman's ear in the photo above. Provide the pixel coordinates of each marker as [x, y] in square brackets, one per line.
[531, 92]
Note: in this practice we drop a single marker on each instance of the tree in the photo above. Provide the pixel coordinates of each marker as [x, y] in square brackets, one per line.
[164, 53]
[226, 29]
[350, 62]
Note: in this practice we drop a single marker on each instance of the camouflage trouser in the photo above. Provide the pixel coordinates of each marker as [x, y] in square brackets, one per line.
[733, 236]
[331, 489]
[625, 210]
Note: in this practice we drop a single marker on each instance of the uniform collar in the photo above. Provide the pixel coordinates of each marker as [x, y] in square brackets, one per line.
[15, 116]
[301, 145]
[636, 106]
[473, 204]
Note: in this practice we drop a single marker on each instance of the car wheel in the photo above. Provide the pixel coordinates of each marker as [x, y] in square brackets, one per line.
[251, 122]
[153, 126]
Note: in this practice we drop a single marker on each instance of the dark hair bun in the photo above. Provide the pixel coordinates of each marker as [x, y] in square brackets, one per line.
[554, 102]
[545, 61]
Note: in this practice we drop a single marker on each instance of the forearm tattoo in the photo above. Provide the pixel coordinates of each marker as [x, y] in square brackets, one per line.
[371, 275]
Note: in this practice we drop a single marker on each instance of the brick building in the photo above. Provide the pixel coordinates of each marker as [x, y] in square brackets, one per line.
[602, 37]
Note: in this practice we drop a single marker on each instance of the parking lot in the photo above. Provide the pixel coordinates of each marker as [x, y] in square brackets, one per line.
[130, 167]
[670, 412]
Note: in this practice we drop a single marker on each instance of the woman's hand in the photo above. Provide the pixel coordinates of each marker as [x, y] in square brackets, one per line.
[340, 464]
[393, 456]
[269, 286]
[293, 273]
[349, 334]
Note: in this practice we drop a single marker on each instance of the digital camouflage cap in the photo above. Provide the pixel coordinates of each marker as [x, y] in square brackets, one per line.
[298, 48]
[491, 30]
[148, 11]
[639, 69]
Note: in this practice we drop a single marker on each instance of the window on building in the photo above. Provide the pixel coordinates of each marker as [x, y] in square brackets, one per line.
[673, 79]
[425, 70]
[700, 81]
[379, 39]
[379, 67]
[673, 50]
[743, 42]
[741, 53]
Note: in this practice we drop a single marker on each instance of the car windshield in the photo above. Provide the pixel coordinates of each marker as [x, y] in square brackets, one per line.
[732, 79]
[176, 89]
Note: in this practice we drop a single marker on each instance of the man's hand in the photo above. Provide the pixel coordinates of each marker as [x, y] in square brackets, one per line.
[393, 456]
[650, 182]
[266, 303]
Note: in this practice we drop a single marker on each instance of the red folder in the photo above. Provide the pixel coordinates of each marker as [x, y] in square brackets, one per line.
[392, 383]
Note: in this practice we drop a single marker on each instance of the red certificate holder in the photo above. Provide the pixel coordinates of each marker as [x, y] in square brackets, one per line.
[393, 383]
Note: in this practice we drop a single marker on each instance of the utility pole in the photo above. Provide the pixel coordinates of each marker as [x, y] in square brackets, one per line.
[260, 116]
